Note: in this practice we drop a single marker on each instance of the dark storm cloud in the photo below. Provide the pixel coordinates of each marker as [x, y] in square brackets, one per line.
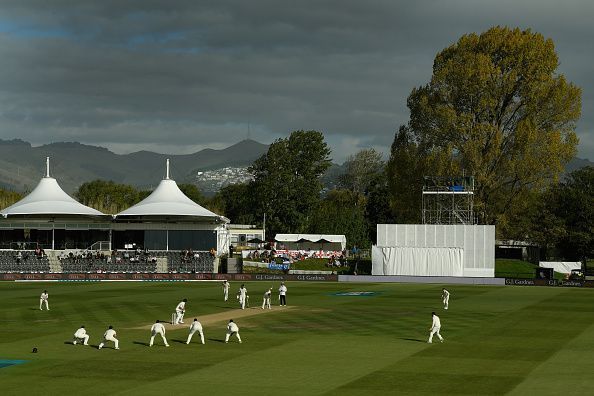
[184, 75]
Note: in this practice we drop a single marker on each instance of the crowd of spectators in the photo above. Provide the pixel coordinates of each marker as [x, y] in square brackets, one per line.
[335, 259]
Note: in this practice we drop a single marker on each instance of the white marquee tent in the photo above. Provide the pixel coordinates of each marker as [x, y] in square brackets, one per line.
[49, 199]
[332, 242]
[172, 220]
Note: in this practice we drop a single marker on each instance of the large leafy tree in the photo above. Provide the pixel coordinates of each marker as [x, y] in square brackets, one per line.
[404, 174]
[107, 196]
[573, 202]
[361, 170]
[236, 202]
[287, 180]
[497, 108]
[342, 212]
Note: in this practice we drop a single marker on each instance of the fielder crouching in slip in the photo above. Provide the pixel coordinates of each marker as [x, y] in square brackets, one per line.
[158, 328]
[110, 335]
[195, 327]
[232, 328]
[81, 335]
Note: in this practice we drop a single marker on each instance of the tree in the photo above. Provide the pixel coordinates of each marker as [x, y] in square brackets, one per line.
[237, 202]
[377, 206]
[574, 203]
[361, 170]
[342, 212]
[8, 198]
[287, 180]
[404, 172]
[107, 196]
[192, 192]
[497, 108]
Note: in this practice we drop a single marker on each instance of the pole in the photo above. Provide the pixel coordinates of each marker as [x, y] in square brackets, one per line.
[264, 228]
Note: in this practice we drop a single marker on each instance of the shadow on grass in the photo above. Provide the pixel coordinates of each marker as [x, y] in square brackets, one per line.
[216, 340]
[179, 341]
[413, 339]
[140, 343]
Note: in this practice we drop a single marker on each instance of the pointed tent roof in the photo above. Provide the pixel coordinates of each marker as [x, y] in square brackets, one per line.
[168, 200]
[48, 198]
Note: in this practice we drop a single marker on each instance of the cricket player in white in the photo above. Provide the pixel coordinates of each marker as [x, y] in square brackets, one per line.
[81, 335]
[242, 295]
[195, 327]
[226, 289]
[445, 296]
[282, 294]
[110, 335]
[43, 299]
[266, 300]
[232, 329]
[435, 326]
[158, 328]
[180, 310]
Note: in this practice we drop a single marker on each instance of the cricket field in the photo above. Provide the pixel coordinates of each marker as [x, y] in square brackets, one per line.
[333, 339]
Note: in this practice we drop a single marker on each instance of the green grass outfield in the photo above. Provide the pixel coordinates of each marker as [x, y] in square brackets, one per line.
[498, 340]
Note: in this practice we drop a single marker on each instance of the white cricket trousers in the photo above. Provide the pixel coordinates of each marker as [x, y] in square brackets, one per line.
[192, 333]
[41, 300]
[226, 294]
[153, 339]
[84, 339]
[113, 339]
[266, 303]
[446, 301]
[242, 302]
[230, 333]
[435, 331]
[179, 317]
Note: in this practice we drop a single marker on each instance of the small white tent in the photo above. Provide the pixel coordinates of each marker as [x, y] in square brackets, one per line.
[330, 242]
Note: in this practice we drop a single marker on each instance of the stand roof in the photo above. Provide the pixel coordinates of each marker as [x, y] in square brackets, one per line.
[47, 199]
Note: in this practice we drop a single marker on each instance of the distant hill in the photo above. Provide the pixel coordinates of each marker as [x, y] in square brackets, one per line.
[72, 163]
[577, 163]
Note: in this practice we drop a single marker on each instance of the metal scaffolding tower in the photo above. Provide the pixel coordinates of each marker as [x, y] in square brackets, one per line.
[448, 200]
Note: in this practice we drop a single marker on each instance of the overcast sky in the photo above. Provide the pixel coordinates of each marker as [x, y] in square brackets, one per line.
[180, 76]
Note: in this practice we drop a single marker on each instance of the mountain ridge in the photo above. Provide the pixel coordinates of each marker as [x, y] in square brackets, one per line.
[74, 163]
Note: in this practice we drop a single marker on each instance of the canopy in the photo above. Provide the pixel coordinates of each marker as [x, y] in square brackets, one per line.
[314, 238]
[48, 198]
[563, 267]
[168, 200]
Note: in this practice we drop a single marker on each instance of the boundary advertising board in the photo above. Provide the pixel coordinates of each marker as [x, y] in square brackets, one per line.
[166, 277]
